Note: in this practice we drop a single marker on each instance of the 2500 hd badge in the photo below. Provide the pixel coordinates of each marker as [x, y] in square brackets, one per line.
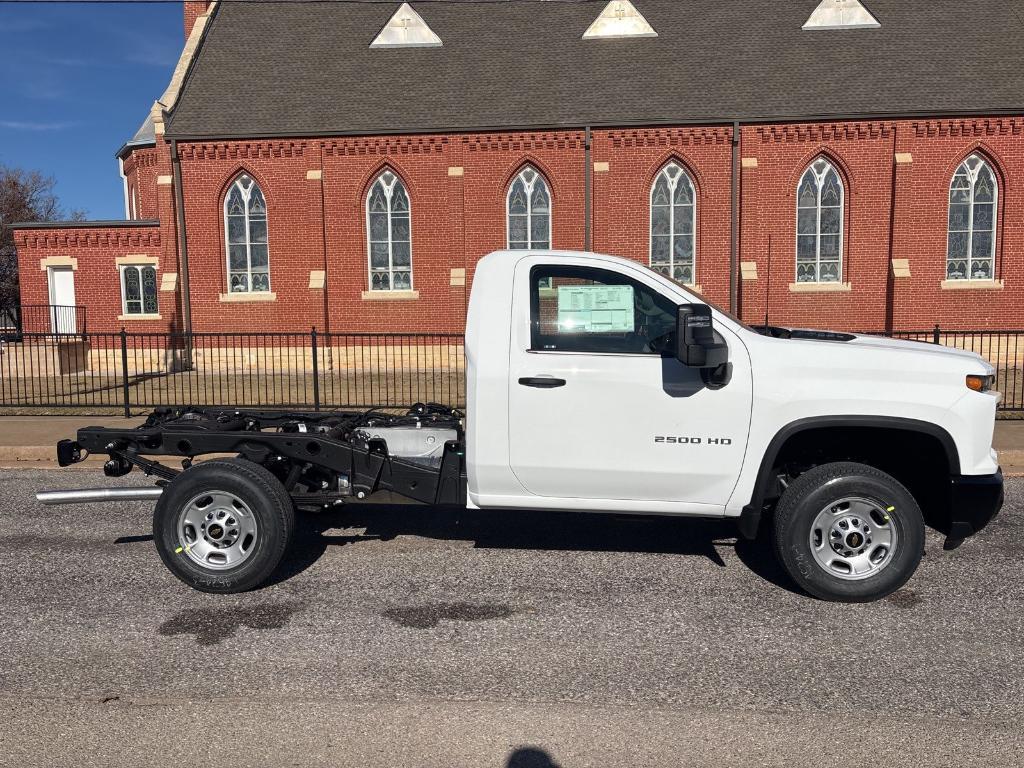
[678, 440]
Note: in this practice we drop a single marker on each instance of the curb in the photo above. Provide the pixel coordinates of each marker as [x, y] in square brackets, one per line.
[38, 457]
[1012, 463]
[45, 457]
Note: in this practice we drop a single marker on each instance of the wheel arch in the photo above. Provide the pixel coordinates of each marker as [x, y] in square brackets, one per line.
[762, 490]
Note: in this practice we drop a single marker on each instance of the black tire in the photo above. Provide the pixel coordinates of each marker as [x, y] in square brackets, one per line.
[812, 493]
[259, 490]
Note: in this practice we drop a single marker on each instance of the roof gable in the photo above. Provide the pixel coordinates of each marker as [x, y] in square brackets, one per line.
[841, 14]
[619, 19]
[406, 29]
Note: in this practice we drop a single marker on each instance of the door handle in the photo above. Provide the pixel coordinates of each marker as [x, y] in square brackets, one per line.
[542, 382]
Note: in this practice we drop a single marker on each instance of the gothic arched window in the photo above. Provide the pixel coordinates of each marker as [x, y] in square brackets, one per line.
[673, 224]
[529, 211]
[971, 234]
[245, 229]
[389, 234]
[819, 224]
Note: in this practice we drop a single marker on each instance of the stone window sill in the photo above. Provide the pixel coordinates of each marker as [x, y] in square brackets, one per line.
[972, 285]
[390, 295]
[140, 317]
[820, 287]
[243, 297]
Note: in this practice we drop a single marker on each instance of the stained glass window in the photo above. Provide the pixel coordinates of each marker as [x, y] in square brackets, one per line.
[819, 225]
[529, 211]
[389, 234]
[673, 224]
[971, 234]
[245, 230]
[138, 290]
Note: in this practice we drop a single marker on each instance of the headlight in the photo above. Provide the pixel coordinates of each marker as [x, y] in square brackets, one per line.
[980, 383]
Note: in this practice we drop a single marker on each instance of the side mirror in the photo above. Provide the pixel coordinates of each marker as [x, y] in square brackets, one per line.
[695, 338]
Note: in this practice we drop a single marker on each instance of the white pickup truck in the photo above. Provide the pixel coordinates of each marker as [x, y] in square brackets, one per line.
[596, 384]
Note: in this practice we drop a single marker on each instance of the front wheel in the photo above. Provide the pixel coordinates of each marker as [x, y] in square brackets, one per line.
[223, 525]
[848, 532]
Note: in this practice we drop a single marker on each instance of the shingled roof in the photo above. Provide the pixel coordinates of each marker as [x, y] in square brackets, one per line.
[296, 68]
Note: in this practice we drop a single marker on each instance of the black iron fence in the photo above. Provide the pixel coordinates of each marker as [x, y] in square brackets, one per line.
[132, 372]
[1004, 349]
[17, 320]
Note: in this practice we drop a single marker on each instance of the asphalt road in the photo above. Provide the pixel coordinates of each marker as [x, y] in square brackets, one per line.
[417, 637]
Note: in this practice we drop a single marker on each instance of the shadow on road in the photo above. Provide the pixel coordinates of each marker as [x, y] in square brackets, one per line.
[516, 529]
[530, 757]
[133, 539]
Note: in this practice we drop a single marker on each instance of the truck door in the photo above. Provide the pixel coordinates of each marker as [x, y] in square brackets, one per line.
[599, 408]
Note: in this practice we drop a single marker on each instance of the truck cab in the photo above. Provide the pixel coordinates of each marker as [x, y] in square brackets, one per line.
[578, 400]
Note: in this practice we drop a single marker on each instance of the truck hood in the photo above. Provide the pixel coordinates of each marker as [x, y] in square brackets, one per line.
[881, 343]
[919, 347]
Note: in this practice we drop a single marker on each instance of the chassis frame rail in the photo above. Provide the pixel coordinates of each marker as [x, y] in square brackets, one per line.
[370, 469]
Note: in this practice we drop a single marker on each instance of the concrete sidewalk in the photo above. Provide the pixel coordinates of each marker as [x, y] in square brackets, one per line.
[29, 441]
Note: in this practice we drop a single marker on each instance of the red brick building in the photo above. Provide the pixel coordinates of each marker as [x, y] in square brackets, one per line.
[345, 165]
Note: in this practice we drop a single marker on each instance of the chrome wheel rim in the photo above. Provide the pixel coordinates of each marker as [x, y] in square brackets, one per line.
[853, 538]
[217, 530]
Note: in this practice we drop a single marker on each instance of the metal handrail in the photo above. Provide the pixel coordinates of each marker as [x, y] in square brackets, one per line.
[20, 319]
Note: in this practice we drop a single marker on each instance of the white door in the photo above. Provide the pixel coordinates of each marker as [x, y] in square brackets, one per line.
[62, 300]
[598, 406]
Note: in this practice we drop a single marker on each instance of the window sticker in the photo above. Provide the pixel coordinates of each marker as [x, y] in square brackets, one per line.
[595, 309]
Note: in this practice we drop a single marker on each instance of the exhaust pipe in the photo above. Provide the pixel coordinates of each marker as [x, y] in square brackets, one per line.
[89, 495]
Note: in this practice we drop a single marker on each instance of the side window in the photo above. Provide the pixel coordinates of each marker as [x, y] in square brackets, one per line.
[819, 225]
[582, 309]
[245, 228]
[528, 206]
[390, 235]
[138, 290]
[972, 219]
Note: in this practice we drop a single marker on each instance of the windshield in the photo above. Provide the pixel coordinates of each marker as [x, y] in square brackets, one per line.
[702, 297]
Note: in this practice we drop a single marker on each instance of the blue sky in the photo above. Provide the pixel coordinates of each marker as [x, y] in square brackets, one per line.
[75, 83]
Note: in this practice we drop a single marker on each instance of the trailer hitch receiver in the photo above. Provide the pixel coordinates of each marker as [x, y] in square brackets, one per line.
[68, 452]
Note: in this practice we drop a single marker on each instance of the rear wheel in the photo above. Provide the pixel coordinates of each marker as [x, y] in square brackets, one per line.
[848, 532]
[223, 525]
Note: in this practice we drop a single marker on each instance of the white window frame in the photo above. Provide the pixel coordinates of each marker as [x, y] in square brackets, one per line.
[972, 176]
[672, 219]
[388, 192]
[142, 295]
[528, 185]
[819, 177]
[248, 235]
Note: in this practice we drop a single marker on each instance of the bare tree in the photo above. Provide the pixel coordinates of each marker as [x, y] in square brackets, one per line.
[24, 196]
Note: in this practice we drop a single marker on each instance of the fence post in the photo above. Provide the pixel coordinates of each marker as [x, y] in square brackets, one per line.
[124, 374]
[935, 334]
[316, 372]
